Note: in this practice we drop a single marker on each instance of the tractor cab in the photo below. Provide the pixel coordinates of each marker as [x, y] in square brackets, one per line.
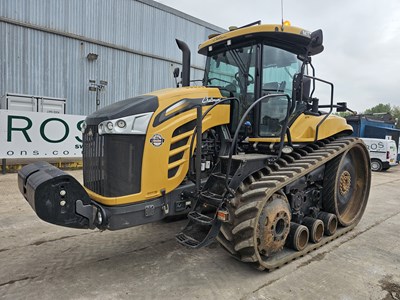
[247, 75]
[254, 61]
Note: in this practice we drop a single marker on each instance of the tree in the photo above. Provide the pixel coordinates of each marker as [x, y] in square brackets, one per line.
[396, 114]
[385, 108]
[380, 108]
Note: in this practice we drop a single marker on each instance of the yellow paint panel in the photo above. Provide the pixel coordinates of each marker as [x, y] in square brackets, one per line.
[254, 29]
[303, 130]
[155, 159]
[178, 150]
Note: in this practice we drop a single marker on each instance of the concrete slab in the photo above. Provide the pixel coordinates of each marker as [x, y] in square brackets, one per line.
[39, 260]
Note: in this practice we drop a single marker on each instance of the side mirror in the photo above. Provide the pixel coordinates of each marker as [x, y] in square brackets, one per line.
[315, 45]
[316, 38]
[341, 107]
[301, 87]
[176, 73]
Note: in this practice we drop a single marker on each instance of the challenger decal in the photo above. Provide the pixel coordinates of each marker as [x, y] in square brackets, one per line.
[210, 100]
[157, 140]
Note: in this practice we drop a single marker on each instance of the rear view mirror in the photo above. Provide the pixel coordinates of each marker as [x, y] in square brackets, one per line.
[176, 73]
[316, 38]
[301, 87]
[341, 107]
[316, 41]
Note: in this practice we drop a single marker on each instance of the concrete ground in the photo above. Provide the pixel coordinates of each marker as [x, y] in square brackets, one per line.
[43, 261]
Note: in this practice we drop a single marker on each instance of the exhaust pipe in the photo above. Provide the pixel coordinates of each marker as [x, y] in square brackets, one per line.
[298, 237]
[330, 222]
[315, 227]
[185, 62]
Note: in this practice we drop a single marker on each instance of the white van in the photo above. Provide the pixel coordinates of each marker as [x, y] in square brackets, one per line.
[383, 153]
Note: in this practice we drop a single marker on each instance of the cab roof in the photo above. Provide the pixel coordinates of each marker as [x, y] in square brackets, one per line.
[289, 38]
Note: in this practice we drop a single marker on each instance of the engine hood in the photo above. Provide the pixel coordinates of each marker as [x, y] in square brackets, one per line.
[124, 108]
[157, 101]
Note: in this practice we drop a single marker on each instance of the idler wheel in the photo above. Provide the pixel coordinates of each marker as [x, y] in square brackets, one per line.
[298, 237]
[346, 185]
[273, 225]
[315, 228]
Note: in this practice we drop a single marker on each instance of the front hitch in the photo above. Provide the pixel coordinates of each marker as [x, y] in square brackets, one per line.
[56, 196]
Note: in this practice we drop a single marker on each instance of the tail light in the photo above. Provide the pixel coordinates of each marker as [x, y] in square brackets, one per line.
[387, 155]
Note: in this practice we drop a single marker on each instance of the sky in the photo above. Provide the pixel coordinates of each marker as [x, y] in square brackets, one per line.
[361, 40]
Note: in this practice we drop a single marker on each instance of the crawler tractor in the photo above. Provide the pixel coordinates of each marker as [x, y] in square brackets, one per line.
[250, 157]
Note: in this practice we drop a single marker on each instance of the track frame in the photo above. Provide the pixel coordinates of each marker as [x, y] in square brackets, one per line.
[259, 187]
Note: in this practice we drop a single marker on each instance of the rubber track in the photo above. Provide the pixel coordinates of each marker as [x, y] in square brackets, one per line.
[239, 238]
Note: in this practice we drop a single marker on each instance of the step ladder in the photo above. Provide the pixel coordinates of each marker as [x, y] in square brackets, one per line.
[204, 225]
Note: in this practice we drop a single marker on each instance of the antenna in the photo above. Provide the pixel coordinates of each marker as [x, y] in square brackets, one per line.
[282, 10]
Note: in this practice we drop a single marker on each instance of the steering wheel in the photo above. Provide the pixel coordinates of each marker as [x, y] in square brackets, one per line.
[250, 78]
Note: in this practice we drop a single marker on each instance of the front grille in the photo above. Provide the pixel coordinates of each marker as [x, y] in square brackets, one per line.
[112, 164]
[93, 160]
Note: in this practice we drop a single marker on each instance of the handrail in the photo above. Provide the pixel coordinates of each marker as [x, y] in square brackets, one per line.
[242, 120]
[331, 105]
[198, 157]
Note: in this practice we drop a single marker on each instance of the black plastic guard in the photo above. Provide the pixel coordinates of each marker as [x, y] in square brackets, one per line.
[55, 196]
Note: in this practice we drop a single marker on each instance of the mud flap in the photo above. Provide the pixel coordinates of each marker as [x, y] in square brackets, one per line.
[55, 196]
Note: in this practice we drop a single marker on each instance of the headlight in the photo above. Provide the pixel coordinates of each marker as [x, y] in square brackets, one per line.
[136, 124]
[121, 123]
[110, 126]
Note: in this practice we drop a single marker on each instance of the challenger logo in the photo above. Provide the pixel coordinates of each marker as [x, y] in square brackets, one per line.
[157, 140]
[207, 100]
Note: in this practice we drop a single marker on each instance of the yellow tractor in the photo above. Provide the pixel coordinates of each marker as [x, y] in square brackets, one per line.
[250, 156]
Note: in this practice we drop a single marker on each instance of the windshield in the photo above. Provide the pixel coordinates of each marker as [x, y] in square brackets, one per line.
[279, 68]
[232, 71]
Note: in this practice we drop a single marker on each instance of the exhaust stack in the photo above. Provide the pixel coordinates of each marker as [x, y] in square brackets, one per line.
[185, 62]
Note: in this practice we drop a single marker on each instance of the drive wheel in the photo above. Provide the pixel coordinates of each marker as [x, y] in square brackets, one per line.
[346, 185]
[376, 165]
[260, 227]
[273, 225]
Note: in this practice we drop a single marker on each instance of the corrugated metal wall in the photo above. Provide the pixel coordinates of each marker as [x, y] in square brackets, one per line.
[44, 46]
